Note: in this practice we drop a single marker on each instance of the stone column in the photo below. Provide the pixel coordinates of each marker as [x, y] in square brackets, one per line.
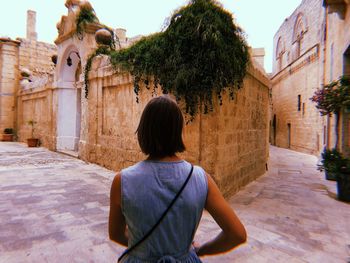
[31, 25]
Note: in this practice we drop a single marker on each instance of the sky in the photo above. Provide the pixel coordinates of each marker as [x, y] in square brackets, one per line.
[260, 19]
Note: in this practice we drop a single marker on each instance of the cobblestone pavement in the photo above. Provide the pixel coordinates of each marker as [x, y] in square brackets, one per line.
[54, 208]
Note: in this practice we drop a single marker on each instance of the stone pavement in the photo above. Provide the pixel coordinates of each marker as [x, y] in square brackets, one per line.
[54, 208]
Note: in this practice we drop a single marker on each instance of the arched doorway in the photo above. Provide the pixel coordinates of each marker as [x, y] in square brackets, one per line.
[69, 102]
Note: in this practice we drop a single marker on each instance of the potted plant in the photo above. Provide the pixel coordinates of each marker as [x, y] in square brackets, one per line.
[330, 160]
[343, 180]
[8, 135]
[32, 142]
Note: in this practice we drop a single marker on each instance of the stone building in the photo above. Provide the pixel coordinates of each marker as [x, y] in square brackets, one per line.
[231, 143]
[26, 55]
[337, 62]
[309, 51]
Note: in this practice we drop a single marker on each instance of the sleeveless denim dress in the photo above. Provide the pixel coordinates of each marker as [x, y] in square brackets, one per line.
[147, 189]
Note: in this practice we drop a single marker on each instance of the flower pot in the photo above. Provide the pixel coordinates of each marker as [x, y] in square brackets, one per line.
[330, 176]
[33, 142]
[7, 137]
[343, 187]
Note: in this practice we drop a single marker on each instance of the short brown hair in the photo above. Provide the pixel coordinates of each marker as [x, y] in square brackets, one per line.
[160, 129]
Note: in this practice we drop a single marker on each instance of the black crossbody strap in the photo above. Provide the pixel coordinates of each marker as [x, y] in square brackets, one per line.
[160, 219]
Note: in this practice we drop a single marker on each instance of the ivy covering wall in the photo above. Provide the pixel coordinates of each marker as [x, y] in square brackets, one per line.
[200, 55]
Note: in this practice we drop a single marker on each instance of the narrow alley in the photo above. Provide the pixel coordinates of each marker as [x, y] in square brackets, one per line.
[54, 208]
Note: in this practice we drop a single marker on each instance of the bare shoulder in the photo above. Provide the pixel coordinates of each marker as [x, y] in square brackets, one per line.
[116, 188]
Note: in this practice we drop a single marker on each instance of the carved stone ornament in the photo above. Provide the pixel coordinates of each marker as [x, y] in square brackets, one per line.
[103, 37]
[25, 73]
[71, 3]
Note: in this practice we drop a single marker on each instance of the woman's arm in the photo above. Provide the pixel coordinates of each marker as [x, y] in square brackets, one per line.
[117, 227]
[233, 232]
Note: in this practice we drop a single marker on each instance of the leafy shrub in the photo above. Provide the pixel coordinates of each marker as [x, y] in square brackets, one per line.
[201, 54]
[331, 160]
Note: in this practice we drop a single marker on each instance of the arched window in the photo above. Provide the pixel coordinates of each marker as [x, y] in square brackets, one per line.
[300, 28]
[280, 50]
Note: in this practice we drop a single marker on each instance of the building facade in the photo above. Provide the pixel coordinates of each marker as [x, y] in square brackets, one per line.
[23, 56]
[309, 50]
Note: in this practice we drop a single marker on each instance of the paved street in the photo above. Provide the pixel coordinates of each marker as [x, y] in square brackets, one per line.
[54, 208]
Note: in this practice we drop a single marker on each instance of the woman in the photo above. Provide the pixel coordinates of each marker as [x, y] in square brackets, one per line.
[142, 192]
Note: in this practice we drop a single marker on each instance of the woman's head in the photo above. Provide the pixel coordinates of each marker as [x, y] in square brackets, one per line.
[160, 129]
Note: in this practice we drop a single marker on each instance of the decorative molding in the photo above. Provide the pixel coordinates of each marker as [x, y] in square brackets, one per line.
[4, 94]
[308, 57]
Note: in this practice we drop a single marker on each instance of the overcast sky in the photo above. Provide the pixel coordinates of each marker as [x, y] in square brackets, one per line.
[260, 19]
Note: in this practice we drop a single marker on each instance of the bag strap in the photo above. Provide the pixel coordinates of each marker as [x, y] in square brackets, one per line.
[160, 219]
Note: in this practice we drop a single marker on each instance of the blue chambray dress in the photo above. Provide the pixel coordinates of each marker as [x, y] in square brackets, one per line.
[147, 189]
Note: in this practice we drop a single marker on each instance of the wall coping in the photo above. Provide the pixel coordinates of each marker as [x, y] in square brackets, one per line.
[5, 40]
[89, 28]
[104, 69]
[307, 57]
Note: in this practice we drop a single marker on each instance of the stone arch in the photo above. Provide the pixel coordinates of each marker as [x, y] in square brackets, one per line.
[300, 28]
[69, 100]
[66, 73]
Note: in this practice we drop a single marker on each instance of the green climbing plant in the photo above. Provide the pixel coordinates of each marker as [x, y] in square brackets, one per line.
[86, 15]
[200, 55]
[102, 50]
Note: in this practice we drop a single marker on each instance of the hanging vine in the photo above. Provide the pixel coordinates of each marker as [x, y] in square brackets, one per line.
[85, 16]
[199, 56]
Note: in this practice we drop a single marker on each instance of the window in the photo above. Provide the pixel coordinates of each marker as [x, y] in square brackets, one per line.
[299, 102]
[300, 29]
[279, 53]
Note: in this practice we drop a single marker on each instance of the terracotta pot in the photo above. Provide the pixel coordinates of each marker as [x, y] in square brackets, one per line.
[33, 142]
[7, 137]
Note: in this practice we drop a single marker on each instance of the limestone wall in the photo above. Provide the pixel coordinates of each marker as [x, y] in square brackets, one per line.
[35, 98]
[8, 83]
[37, 105]
[297, 73]
[337, 64]
[324, 56]
[36, 56]
[231, 143]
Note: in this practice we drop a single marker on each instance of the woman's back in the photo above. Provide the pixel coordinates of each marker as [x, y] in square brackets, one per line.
[147, 188]
[141, 193]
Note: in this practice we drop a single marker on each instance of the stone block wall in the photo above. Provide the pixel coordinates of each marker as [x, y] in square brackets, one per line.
[337, 64]
[14, 56]
[36, 56]
[231, 143]
[297, 123]
[37, 105]
[9, 82]
[312, 17]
